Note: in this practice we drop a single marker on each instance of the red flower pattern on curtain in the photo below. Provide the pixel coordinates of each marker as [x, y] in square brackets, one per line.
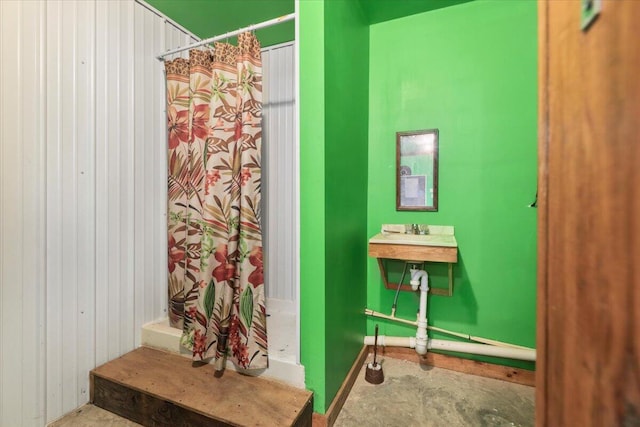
[216, 277]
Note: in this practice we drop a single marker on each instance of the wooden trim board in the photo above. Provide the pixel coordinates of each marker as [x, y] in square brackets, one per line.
[329, 418]
[543, 188]
[473, 367]
[319, 420]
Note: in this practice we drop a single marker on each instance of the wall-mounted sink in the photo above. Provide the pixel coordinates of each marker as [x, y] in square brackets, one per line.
[446, 240]
[439, 245]
[438, 236]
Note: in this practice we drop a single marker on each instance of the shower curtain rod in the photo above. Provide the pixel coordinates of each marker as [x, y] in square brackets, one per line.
[264, 24]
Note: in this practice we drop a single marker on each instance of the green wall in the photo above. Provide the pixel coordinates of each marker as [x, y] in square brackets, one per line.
[333, 191]
[346, 140]
[208, 18]
[470, 71]
[312, 201]
[333, 167]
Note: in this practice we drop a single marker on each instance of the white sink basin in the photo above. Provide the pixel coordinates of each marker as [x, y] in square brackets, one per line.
[447, 240]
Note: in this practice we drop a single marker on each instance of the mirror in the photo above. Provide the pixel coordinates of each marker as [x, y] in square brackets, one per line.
[417, 170]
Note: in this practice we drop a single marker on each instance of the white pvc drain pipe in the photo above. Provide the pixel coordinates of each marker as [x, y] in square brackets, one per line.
[421, 343]
[460, 347]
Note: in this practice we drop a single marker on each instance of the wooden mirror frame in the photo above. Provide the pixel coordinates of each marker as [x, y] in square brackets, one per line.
[401, 202]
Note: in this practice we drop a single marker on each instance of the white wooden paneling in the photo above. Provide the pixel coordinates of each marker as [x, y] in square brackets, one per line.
[32, 139]
[82, 194]
[21, 225]
[279, 159]
[21, 251]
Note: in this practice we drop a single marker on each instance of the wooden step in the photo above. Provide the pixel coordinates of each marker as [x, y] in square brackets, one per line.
[157, 388]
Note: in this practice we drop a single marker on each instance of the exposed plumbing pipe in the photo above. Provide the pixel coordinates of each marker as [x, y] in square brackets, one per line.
[387, 341]
[369, 312]
[479, 339]
[460, 347]
[483, 349]
[421, 278]
[395, 298]
[373, 313]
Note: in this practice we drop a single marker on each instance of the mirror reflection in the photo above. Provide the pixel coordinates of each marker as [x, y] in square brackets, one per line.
[417, 170]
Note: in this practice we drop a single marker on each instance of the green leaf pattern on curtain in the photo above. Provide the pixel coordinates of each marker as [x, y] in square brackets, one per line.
[216, 278]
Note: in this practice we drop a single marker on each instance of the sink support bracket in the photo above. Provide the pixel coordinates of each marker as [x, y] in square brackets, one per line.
[434, 291]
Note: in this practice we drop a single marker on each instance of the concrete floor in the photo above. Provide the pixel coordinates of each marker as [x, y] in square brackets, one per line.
[89, 416]
[414, 395]
[411, 395]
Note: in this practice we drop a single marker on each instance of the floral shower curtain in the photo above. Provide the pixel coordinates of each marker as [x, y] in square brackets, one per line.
[216, 283]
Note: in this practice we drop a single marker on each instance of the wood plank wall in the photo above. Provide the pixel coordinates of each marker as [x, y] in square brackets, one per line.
[589, 282]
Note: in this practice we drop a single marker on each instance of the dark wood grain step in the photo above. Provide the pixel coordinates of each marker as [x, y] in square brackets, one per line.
[156, 388]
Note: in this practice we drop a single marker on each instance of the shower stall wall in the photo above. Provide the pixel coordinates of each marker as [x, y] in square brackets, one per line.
[280, 207]
[279, 157]
[83, 255]
[82, 194]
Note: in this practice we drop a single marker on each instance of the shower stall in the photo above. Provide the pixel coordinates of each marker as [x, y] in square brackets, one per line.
[279, 222]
